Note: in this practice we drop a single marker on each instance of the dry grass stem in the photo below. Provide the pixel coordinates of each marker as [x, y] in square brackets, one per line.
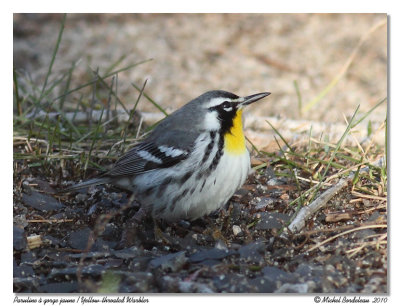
[345, 233]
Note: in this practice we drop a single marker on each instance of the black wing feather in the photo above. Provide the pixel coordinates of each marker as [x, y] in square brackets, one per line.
[132, 163]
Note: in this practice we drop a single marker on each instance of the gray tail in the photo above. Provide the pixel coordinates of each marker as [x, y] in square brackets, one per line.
[91, 182]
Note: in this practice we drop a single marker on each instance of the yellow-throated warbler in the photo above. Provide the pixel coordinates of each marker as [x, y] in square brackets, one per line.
[191, 163]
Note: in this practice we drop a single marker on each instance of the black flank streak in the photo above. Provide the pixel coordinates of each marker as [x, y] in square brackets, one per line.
[209, 147]
[186, 177]
[202, 186]
[218, 155]
[174, 201]
[206, 155]
[184, 192]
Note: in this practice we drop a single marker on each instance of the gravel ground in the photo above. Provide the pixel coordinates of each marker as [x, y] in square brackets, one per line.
[92, 241]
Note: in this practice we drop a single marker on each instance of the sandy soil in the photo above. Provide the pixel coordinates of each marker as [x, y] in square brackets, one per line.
[241, 53]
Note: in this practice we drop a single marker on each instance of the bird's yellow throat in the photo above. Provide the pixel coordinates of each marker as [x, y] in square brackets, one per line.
[234, 139]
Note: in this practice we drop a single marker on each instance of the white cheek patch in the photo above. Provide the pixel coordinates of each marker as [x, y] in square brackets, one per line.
[211, 121]
[172, 152]
[149, 157]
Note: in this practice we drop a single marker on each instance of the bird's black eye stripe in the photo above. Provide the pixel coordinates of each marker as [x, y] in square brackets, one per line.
[225, 106]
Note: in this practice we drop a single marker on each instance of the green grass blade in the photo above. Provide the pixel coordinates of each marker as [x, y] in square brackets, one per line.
[151, 100]
[118, 61]
[280, 136]
[95, 137]
[16, 91]
[112, 92]
[133, 111]
[67, 84]
[339, 144]
[368, 113]
[104, 77]
[299, 99]
[53, 57]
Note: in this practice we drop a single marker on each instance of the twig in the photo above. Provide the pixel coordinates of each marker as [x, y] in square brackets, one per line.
[307, 211]
[367, 196]
[49, 221]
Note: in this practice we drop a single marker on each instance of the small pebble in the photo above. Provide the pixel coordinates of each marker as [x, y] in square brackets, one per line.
[236, 230]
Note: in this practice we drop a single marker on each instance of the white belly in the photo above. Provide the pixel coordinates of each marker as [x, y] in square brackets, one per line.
[229, 176]
[196, 196]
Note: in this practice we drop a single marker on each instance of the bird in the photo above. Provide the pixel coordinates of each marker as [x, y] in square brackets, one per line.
[191, 163]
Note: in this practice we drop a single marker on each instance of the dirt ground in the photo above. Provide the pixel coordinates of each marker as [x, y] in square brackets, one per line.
[241, 53]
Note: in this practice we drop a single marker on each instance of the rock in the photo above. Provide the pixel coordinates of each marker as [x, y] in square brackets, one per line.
[275, 274]
[236, 230]
[128, 253]
[43, 185]
[269, 173]
[52, 240]
[81, 197]
[373, 285]
[138, 282]
[41, 201]
[264, 203]
[236, 212]
[61, 287]
[23, 270]
[168, 284]
[213, 254]
[28, 257]
[194, 287]
[111, 232]
[19, 238]
[139, 263]
[270, 220]
[253, 252]
[20, 220]
[26, 284]
[94, 270]
[261, 285]
[171, 262]
[292, 288]
[310, 272]
[274, 182]
[231, 282]
[91, 255]
[79, 239]
[221, 245]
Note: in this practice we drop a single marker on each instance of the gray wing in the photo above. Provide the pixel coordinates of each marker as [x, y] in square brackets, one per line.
[158, 151]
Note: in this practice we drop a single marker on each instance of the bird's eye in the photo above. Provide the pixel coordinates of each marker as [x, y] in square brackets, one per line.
[226, 106]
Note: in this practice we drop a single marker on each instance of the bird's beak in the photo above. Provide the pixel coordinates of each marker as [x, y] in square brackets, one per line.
[243, 101]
